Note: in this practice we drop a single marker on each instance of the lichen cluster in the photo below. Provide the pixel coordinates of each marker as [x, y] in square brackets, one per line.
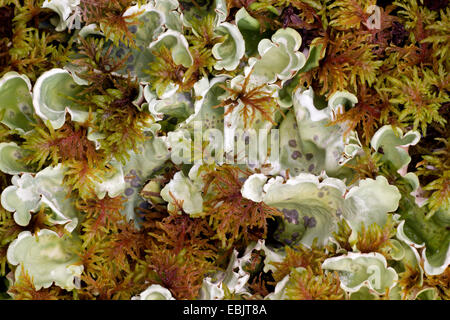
[103, 195]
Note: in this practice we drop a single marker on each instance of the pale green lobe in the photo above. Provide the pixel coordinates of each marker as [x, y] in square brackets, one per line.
[409, 259]
[28, 193]
[428, 294]
[395, 293]
[252, 188]
[413, 180]
[280, 58]
[111, 182]
[150, 25]
[211, 290]
[155, 292]
[151, 156]
[180, 144]
[419, 229]
[249, 28]
[166, 9]
[352, 147]
[11, 159]
[364, 293]
[46, 258]
[397, 251]
[177, 44]
[221, 10]
[272, 255]
[90, 29]
[178, 105]
[309, 143]
[63, 8]
[16, 107]
[279, 292]
[208, 93]
[53, 96]
[313, 205]
[21, 198]
[342, 100]
[218, 8]
[370, 202]
[285, 94]
[394, 144]
[171, 15]
[310, 207]
[433, 265]
[182, 190]
[230, 52]
[356, 270]
[234, 278]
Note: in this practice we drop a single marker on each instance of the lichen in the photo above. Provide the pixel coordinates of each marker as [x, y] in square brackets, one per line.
[224, 149]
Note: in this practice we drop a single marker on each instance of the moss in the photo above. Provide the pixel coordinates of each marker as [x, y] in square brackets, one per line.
[113, 142]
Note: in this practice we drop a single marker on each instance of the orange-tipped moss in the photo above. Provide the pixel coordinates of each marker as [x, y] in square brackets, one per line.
[375, 238]
[49, 146]
[409, 281]
[258, 287]
[343, 234]
[233, 217]
[307, 285]
[176, 272]
[181, 232]
[441, 282]
[25, 46]
[24, 289]
[365, 116]
[348, 63]
[164, 71]
[98, 64]
[367, 165]
[101, 215]
[300, 256]
[109, 15]
[111, 251]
